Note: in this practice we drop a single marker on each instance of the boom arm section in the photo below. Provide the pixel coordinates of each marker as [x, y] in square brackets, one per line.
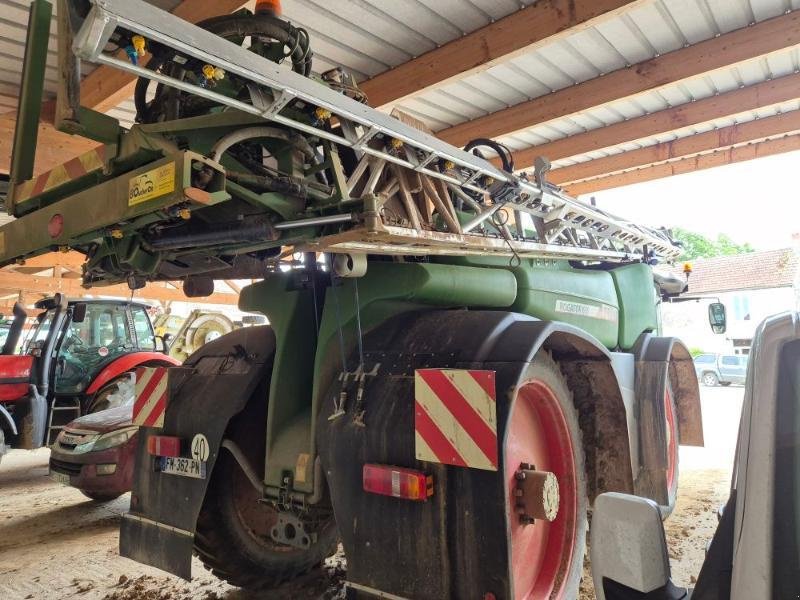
[285, 162]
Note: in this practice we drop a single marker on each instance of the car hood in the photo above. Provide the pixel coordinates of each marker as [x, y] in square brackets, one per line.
[105, 420]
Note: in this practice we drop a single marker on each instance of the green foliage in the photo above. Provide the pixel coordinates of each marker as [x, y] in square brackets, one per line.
[696, 245]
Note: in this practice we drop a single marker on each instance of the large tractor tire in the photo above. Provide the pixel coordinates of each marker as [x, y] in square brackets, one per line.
[543, 431]
[117, 392]
[233, 529]
[673, 441]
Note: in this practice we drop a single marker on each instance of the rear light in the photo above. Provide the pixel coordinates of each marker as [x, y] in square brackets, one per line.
[397, 482]
[164, 445]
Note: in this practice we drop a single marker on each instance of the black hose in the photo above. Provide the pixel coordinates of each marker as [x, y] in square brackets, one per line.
[15, 331]
[227, 27]
[506, 157]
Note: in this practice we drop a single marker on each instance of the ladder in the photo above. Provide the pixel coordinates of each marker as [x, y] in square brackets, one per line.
[547, 222]
[68, 405]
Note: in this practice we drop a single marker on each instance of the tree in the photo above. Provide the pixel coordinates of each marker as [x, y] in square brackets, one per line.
[696, 245]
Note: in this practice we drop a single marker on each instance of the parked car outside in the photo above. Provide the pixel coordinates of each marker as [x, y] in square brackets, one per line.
[96, 453]
[721, 369]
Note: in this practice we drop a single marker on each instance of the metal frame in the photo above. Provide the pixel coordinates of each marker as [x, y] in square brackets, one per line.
[559, 220]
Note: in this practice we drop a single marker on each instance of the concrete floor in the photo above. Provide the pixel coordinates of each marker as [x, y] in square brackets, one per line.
[55, 544]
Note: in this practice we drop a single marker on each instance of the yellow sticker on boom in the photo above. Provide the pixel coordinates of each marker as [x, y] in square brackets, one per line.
[152, 184]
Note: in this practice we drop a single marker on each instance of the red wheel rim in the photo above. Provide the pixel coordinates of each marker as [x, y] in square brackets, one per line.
[541, 553]
[672, 442]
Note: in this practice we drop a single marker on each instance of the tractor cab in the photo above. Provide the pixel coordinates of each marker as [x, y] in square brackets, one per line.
[79, 357]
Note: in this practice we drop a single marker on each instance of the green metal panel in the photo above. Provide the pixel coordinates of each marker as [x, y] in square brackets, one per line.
[555, 291]
[109, 204]
[387, 289]
[32, 89]
[637, 302]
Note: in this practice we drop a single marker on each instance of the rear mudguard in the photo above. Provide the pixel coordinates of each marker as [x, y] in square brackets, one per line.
[660, 360]
[213, 385]
[456, 544]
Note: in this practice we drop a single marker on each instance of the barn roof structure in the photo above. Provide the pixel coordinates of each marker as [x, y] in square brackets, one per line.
[613, 92]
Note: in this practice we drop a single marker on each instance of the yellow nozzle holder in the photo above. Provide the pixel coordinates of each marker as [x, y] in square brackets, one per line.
[219, 74]
[63, 249]
[208, 71]
[323, 114]
[687, 267]
[448, 165]
[185, 214]
[138, 43]
[117, 234]
[488, 180]
[396, 144]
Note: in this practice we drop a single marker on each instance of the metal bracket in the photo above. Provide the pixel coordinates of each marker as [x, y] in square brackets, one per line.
[292, 531]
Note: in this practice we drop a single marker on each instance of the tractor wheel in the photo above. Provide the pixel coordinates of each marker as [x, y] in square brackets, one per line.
[543, 432]
[672, 453]
[233, 529]
[3, 448]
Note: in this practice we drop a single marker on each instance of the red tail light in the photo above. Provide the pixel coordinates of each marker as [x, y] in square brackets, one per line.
[164, 445]
[397, 482]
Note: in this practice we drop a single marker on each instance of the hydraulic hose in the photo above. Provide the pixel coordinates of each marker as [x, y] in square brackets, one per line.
[227, 27]
[240, 135]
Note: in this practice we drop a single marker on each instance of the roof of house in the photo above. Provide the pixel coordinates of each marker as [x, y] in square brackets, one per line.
[752, 271]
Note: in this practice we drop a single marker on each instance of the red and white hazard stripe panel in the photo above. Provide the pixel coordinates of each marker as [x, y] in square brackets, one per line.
[151, 396]
[455, 417]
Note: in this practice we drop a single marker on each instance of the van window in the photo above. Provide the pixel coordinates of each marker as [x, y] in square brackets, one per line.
[732, 361]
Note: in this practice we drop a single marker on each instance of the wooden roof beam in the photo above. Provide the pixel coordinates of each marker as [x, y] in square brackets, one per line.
[760, 95]
[10, 280]
[521, 31]
[103, 89]
[772, 35]
[709, 141]
[688, 165]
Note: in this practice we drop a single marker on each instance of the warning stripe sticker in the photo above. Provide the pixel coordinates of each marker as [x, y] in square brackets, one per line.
[151, 396]
[455, 417]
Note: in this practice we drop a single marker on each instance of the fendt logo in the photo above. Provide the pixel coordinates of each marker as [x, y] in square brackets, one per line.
[141, 186]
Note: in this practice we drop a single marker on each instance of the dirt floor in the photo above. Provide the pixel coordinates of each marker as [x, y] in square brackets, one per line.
[56, 544]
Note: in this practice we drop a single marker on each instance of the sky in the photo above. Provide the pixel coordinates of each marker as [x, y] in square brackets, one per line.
[757, 201]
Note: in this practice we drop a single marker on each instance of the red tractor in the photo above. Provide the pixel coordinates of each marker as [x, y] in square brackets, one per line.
[79, 358]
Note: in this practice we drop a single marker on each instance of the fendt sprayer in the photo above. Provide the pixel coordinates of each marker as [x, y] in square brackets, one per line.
[79, 357]
[465, 359]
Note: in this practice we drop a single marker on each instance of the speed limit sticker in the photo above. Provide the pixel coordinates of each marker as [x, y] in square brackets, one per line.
[200, 447]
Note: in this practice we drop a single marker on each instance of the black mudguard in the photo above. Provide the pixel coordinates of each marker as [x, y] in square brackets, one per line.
[213, 385]
[31, 415]
[456, 544]
[660, 360]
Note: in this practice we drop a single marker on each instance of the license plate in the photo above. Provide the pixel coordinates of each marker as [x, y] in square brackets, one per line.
[187, 467]
[59, 477]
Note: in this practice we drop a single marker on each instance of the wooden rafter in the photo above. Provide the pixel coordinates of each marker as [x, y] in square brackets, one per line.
[103, 89]
[760, 95]
[709, 141]
[727, 156]
[519, 32]
[34, 284]
[761, 39]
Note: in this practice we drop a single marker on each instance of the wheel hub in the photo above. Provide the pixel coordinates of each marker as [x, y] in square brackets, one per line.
[536, 494]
